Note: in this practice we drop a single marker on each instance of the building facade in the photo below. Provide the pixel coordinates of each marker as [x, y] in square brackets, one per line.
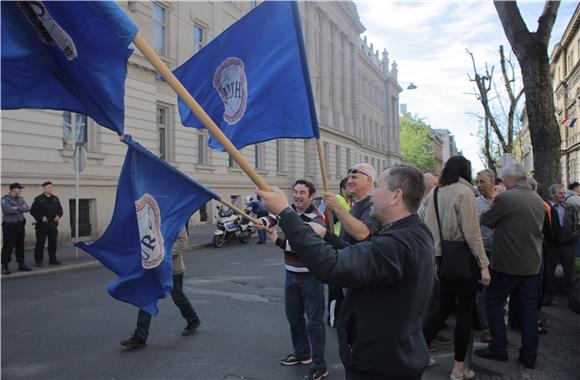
[565, 71]
[356, 95]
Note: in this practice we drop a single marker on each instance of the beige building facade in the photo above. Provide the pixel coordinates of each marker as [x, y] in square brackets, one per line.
[565, 71]
[356, 95]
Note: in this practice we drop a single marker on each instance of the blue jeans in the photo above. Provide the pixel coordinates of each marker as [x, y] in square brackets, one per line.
[179, 299]
[304, 293]
[501, 286]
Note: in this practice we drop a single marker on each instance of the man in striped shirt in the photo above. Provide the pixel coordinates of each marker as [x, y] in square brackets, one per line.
[303, 292]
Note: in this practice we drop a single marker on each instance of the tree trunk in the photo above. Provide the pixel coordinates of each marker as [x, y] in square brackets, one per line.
[531, 50]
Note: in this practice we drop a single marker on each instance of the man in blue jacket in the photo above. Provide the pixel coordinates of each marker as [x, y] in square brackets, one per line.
[389, 277]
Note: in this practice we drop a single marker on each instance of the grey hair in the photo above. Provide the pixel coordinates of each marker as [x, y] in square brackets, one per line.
[368, 169]
[533, 183]
[553, 189]
[515, 170]
[488, 173]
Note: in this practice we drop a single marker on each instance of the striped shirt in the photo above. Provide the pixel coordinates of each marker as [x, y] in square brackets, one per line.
[291, 261]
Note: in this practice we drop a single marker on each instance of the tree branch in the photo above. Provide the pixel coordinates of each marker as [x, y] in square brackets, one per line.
[547, 20]
[512, 22]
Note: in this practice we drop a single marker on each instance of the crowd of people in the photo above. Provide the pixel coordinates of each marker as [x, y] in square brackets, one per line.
[391, 290]
[408, 250]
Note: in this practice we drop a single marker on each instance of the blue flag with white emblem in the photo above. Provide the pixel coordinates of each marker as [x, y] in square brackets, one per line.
[66, 55]
[154, 201]
[253, 79]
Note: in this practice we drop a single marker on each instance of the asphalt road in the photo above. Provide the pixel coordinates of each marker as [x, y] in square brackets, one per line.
[66, 326]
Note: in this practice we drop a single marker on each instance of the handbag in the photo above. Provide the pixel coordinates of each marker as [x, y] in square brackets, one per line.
[457, 267]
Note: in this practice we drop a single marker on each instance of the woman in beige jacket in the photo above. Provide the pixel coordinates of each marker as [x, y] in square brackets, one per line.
[458, 218]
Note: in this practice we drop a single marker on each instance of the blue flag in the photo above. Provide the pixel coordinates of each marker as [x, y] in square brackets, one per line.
[66, 55]
[154, 201]
[253, 79]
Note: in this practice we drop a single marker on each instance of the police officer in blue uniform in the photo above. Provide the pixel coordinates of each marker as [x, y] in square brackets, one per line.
[13, 221]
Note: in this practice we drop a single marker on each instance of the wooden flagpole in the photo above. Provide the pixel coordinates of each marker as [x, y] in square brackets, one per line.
[198, 111]
[329, 214]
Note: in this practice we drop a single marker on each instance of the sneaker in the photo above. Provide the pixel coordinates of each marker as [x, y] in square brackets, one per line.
[442, 339]
[23, 268]
[5, 269]
[316, 374]
[432, 362]
[191, 327]
[487, 353]
[293, 359]
[133, 342]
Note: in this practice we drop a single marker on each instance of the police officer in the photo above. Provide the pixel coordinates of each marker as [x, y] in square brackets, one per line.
[13, 209]
[47, 211]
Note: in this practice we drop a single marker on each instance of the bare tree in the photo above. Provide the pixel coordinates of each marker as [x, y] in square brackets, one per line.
[504, 134]
[531, 49]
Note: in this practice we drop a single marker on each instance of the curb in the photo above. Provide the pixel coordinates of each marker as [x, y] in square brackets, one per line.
[78, 267]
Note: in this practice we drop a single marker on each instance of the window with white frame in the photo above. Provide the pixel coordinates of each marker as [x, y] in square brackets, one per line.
[259, 156]
[164, 133]
[202, 148]
[198, 38]
[73, 122]
[160, 29]
[280, 156]
[338, 161]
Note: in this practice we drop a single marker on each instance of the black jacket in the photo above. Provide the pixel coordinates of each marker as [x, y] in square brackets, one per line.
[389, 279]
[566, 234]
[46, 206]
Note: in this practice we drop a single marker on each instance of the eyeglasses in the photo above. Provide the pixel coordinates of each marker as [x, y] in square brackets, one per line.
[356, 171]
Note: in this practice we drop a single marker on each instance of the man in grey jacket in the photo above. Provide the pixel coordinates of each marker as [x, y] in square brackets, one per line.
[517, 215]
[13, 209]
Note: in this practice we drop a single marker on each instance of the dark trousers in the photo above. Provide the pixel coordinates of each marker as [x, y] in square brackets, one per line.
[480, 303]
[303, 293]
[179, 299]
[335, 298]
[462, 301]
[526, 288]
[565, 255]
[358, 375]
[13, 238]
[44, 230]
[261, 236]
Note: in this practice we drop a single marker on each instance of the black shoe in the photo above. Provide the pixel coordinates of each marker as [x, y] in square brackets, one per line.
[293, 360]
[39, 264]
[316, 374]
[134, 342]
[442, 339]
[191, 327]
[5, 269]
[55, 262]
[528, 363]
[23, 267]
[486, 353]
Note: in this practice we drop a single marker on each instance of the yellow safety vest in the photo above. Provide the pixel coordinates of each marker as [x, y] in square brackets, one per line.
[346, 205]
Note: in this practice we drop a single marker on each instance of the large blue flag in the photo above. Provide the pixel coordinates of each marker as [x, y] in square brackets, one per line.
[253, 79]
[66, 55]
[154, 201]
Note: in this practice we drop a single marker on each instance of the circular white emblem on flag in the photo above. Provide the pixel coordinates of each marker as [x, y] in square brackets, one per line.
[151, 240]
[230, 82]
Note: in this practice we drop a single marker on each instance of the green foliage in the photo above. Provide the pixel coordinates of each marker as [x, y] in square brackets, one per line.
[416, 143]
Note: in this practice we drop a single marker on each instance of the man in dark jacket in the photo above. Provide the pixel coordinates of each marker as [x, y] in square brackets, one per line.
[389, 278]
[561, 241]
[47, 211]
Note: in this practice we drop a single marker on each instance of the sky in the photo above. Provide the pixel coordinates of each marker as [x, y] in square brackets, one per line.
[428, 40]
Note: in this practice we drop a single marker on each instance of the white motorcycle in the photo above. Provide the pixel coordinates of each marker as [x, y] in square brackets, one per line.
[231, 226]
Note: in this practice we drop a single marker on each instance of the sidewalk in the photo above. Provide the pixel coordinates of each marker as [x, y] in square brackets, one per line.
[199, 237]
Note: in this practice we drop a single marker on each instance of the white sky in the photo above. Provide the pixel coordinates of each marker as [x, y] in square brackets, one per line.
[428, 40]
